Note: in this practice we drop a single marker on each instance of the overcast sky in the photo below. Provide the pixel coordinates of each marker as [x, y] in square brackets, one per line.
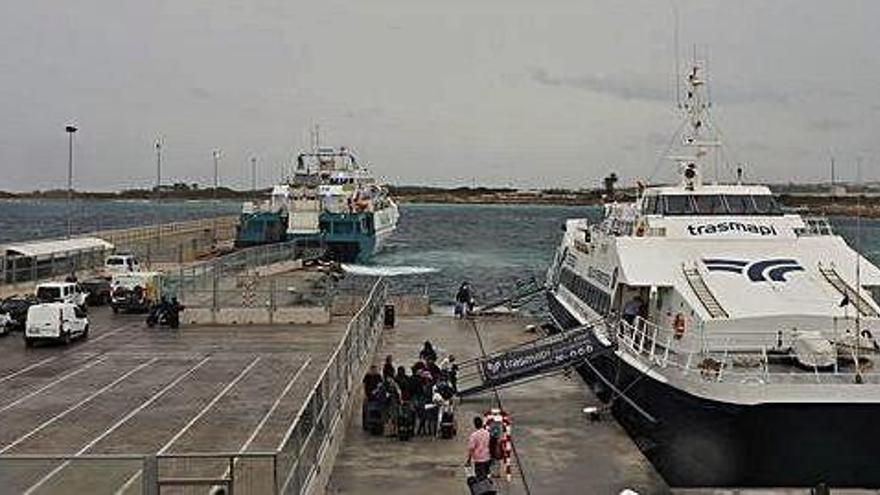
[520, 92]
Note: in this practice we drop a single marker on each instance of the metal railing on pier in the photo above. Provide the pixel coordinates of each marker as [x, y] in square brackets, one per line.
[251, 278]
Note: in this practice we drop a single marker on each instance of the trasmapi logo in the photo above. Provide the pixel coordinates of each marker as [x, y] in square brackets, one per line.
[723, 227]
[757, 271]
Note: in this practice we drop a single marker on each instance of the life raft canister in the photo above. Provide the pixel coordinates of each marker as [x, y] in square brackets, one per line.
[678, 325]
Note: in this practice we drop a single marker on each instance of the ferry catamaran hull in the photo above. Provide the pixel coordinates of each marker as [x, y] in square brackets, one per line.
[743, 336]
[700, 442]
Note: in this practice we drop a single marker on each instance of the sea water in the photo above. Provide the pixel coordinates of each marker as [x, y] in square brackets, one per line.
[435, 248]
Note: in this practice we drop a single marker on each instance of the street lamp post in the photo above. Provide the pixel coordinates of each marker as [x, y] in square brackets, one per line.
[158, 192]
[216, 154]
[70, 131]
[254, 176]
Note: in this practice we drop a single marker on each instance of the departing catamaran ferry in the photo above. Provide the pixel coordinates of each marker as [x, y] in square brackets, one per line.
[331, 202]
[744, 336]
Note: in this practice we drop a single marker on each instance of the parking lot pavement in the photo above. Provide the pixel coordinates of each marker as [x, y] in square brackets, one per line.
[128, 390]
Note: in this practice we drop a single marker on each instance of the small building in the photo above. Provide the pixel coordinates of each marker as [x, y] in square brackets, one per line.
[48, 258]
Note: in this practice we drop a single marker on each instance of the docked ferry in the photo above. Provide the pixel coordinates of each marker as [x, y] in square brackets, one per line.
[741, 336]
[330, 202]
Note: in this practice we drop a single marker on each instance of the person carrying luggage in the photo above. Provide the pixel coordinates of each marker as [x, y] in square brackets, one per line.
[478, 450]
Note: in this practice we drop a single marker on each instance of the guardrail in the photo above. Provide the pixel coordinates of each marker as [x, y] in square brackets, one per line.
[147, 242]
[307, 439]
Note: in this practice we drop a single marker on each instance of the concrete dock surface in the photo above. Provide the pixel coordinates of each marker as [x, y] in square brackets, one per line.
[132, 390]
[560, 450]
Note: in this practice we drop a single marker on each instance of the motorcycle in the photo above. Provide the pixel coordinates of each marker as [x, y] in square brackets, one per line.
[164, 315]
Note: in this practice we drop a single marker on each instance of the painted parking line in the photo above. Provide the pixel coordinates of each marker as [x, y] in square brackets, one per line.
[76, 406]
[272, 409]
[208, 406]
[128, 483]
[42, 481]
[28, 368]
[52, 384]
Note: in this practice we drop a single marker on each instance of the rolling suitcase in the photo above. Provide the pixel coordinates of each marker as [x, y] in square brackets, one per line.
[481, 486]
[447, 425]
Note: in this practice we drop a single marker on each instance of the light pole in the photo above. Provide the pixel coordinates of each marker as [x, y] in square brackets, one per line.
[70, 131]
[216, 154]
[254, 176]
[158, 191]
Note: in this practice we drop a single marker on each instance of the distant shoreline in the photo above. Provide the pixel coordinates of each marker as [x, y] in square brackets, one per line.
[866, 205]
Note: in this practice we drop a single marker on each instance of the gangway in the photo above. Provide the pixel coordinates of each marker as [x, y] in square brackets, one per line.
[524, 362]
[523, 291]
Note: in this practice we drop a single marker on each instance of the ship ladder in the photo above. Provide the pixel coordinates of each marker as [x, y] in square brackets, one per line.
[698, 285]
[863, 306]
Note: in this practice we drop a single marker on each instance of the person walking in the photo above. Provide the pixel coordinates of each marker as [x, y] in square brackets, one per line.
[388, 368]
[464, 300]
[478, 450]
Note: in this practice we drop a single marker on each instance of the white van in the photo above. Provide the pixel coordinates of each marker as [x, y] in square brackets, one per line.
[55, 321]
[68, 292]
[121, 263]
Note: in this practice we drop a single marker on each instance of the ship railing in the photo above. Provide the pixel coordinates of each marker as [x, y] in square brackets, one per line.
[722, 359]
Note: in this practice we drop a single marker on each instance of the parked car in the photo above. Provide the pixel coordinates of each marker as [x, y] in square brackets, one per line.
[17, 308]
[59, 321]
[5, 324]
[121, 263]
[69, 292]
[98, 290]
[135, 291]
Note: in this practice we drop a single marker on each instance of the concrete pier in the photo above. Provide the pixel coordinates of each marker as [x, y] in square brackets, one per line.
[560, 450]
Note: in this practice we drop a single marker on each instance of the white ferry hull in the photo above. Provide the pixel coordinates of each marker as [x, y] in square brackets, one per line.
[700, 442]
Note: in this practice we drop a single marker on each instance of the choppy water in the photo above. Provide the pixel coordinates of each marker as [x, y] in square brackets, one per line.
[22, 220]
[492, 246]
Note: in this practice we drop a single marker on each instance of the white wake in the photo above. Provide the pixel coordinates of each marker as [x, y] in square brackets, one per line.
[387, 271]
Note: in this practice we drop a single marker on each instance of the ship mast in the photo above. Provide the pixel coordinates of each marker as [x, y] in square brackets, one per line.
[695, 137]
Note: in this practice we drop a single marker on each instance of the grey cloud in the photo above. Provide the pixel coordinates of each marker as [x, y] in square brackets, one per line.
[626, 86]
[829, 124]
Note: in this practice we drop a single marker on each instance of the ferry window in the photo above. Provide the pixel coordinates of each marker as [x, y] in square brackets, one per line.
[650, 205]
[740, 204]
[765, 204]
[679, 205]
[874, 290]
[343, 227]
[710, 205]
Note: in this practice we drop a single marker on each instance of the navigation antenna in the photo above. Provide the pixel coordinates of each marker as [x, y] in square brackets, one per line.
[677, 68]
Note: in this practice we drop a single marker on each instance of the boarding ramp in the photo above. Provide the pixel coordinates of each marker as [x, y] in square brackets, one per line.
[535, 359]
[523, 291]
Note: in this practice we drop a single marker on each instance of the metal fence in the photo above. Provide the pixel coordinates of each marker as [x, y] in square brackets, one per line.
[306, 441]
[290, 469]
[174, 242]
[17, 269]
[253, 277]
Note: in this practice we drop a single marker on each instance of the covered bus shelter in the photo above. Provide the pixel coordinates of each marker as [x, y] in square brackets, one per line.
[49, 258]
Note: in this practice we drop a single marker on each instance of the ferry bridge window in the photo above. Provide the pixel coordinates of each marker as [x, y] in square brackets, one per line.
[679, 204]
[740, 204]
[650, 205]
[710, 205]
[766, 205]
